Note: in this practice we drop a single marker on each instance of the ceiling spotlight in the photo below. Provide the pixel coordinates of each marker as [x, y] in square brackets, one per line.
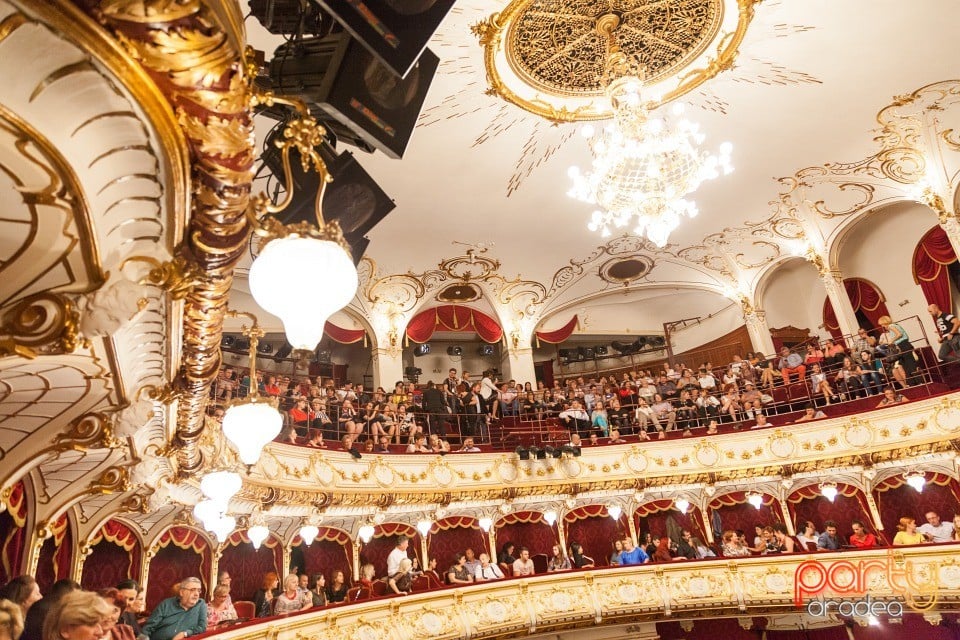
[755, 499]
[421, 349]
[916, 479]
[682, 504]
[829, 490]
[601, 350]
[455, 350]
[614, 511]
[485, 350]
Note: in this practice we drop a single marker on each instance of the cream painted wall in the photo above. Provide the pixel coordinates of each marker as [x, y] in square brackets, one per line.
[794, 296]
[880, 249]
[709, 328]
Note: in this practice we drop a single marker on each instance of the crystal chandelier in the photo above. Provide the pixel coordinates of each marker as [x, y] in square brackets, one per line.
[643, 167]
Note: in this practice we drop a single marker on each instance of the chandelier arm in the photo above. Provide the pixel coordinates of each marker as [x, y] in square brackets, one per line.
[254, 333]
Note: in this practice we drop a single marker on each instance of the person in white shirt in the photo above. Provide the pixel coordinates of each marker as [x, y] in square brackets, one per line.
[707, 381]
[575, 417]
[523, 566]
[935, 530]
[486, 571]
[398, 554]
[472, 562]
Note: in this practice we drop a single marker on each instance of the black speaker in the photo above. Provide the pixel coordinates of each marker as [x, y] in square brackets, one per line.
[340, 77]
[601, 350]
[455, 351]
[421, 349]
[395, 31]
[485, 350]
[289, 17]
[412, 372]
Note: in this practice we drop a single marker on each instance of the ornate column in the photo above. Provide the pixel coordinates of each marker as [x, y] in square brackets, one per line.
[83, 552]
[832, 281]
[215, 567]
[387, 367]
[519, 354]
[424, 556]
[355, 552]
[756, 321]
[632, 526]
[492, 543]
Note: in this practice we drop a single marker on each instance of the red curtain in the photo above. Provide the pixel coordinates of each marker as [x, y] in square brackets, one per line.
[526, 529]
[864, 297]
[115, 556]
[738, 514]
[451, 536]
[328, 553]
[930, 259]
[13, 534]
[595, 530]
[896, 499]
[725, 628]
[660, 517]
[850, 504]
[558, 335]
[56, 554]
[182, 553]
[343, 336]
[247, 565]
[452, 317]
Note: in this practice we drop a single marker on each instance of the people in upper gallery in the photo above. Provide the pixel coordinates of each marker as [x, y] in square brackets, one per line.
[523, 566]
[948, 328]
[401, 581]
[829, 540]
[263, 598]
[810, 413]
[791, 364]
[11, 621]
[36, 614]
[397, 554]
[291, 599]
[577, 559]
[558, 560]
[861, 538]
[631, 553]
[907, 532]
[891, 397]
[486, 571]
[807, 535]
[318, 590]
[177, 617]
[469, 446]
[871, 372]
[220, 609]
[934, 529]
[731, 546]
[337, 589]
[22, 590]
[900, 351]
[575, 418]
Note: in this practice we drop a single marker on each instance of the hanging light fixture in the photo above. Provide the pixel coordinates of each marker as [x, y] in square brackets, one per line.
[220, 486]
[550, 517]
[682, 504]
[614, 511]
[424, 526]
[485, 523]
[642, 166]
[303, 304]
[829, 490]
[208, 512]
[258, 530]
[222, 527]
[251, 422]
[309, 533]
[916, 479]
[755, 499]
[366, 533]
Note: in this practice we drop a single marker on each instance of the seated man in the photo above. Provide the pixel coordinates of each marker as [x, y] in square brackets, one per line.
[751, 401]
[472, 563]
[575, 418]
[829, 540]
[523, 566]
[646, 416]
[615, 437]
[761, 422]
[791, 364]
[666, 414]
[486, 571]
[933, 530]
[631, 553]
[178, 617]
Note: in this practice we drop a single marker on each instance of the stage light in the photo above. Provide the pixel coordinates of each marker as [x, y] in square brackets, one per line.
[421, 349]
[614, 511]
[829, 490]
[455, 350]
[523, 453]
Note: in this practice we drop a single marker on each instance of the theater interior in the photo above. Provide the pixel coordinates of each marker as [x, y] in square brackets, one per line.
[565, 192]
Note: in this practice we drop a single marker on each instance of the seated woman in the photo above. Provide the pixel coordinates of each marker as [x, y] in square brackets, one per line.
[808, 534]
[813, 356]
[731, 547]
[810, 413]
[318, 590]
[558, 561]
[263, 598]
[299, 415]
[891, 397]
[783, 541]
[848, 379]
[402, 581]
[617, 550]
[871, 372]
[833, 352]
[531, 408]
[347, 420]
[599, 421]
[686, 412]
[860, 538]
[907, 532]
[337, 589]
[577, 559]
[458, 572]
[291, 599]
[506, 558]
[730, 403]
[368, 574]
[220, 609]
[820, 384]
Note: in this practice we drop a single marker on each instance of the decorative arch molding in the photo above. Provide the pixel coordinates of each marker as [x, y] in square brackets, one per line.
[766, 275]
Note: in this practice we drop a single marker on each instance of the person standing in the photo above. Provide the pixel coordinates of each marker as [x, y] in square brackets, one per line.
[948, 326]
[398, 554]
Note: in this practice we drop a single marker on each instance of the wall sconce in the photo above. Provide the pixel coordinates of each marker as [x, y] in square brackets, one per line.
[755, 499]
[916, 479]
[550, 517]
[829, 490]
[614, 511]
[682, 504]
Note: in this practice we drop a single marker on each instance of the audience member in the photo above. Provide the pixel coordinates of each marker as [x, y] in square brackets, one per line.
[263, 598]
[33, 627]
[558, 561]
[860, 538]
[523, 566]
[23, 591]
[934, 530]
[337, 589]
[292, 598]
[318, 591]
[829, 540]
[808, 536]
[948, 326]
[458, 572]
[177, 617]
[128, 589]
[632, 554]
[397, 555]
[782, 539]
[731, 546]
[80, 615]
[891, 397]
[220, 608]
[11, 621]
[907, 532]
[791, 364]
[402, 581]
[577, 559]
[486, 571]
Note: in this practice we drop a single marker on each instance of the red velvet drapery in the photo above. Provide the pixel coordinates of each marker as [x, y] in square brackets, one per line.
[343, 336]
[453, 535]
[661, 517]
[13, 533]
[329, 552]
[115, 556]
[453, 317]
[930, 259]
[896, 499]
[247, 565]
[526, 529]
[807, 503]
[56, 554]
[864, 296]
[182, 553]
[595, 530]
[558, 335]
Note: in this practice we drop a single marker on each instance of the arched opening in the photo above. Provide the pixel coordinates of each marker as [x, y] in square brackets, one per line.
[868, 302]
[247, 565]
[181, 552]
[115, 556]
[383, 542]
[936, 269]
[13, 533]
[594, 529]
[732, 512]
[807, 503]
[454, 535]
[329, 552]
[661, 518]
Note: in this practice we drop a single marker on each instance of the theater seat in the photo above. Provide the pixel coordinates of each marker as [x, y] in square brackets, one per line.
[245, 609]
[540, 563]
[357, 593]
[420, 583]
[380, 588]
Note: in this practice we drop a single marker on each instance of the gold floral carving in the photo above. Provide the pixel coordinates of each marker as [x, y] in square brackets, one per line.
[45, 323]
[89, 431]
[199, 68]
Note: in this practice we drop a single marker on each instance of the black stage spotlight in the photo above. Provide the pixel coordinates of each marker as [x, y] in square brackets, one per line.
[552, 452]
[601, 350]
[265, 348]
[323, 356]
[571, 450]
[283, 352]
[539, 454]
[523, 453]
[242, 344]
[412, 372]
[228, 342]
[588, 352]
[485, 350]
[657, 342]
[455, 350]
[421, 349]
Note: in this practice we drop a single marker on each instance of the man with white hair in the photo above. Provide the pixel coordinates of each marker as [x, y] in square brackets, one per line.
[179, 617]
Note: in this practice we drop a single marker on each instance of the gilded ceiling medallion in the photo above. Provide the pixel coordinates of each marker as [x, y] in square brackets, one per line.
[547, 56]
